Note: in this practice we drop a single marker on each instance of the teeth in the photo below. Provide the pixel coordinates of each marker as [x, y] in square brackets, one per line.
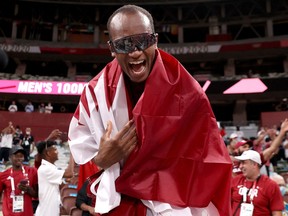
[136, 62]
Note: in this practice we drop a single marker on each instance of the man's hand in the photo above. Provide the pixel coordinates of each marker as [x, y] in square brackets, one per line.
[284, 127]
[54, 134]
[114, 149]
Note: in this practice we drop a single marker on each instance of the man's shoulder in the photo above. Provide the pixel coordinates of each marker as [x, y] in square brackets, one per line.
[238, 178]
[5, 173]
[30, 169]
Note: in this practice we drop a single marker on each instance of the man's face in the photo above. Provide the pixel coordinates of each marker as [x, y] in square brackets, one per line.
[243, 148]
[248, 168]
[136, 64]
[28, 131]
[53, 152]
[17, 159]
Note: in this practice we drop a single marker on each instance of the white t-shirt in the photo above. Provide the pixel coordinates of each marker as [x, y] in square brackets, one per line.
[12, 108]
[48, 109]
[6, 141]
[49, 178]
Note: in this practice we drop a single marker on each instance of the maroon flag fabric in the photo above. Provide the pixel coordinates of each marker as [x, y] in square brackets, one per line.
[181, 159]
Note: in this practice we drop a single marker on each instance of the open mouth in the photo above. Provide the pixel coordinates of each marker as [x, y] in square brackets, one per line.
[137, 66]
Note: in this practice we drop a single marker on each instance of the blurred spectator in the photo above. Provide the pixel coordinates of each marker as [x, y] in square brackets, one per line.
[240, 134]
[27, 141]
[29, 107]
[13, 107]
[19, 185]
[283, 105]
[266, 154]
[17, 135]
[50, 178]
[6, 142]
[233, 139]
[41, 108]
[285, 146]
[48, 108]
[85, 199]
[280, 181]
[222, 131]
[240, 147]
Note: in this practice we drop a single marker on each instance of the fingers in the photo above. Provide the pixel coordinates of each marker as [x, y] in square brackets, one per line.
[116, 148]
[108, 129]
[126, 130]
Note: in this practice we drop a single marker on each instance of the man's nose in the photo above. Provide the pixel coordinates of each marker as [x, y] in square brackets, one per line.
[135, 52]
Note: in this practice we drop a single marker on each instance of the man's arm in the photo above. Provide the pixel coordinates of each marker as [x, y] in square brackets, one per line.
[268, 153]
[69, 171]
[82, 200]
[54, 134]
[90, 209]
[117, 148]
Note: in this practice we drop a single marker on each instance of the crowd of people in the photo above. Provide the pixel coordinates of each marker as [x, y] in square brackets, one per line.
[27, 185]
[148, 130]
[29, 107]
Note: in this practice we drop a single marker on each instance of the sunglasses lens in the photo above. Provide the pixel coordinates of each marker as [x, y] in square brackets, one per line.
[128, 44]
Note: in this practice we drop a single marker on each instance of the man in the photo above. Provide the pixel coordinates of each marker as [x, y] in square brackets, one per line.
[19, 184]
[27, 141]
[242, 146]
[266, 154]
[50, 178]
[29, 107]
[6, 142]
[147, 123]
[13, 107]
[253, 193]
[85, 198]
[232, 141]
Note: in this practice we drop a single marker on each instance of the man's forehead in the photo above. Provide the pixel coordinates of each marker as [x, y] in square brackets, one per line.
[121, 25]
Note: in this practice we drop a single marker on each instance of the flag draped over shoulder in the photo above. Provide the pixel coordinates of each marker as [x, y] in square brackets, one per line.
[181, 158]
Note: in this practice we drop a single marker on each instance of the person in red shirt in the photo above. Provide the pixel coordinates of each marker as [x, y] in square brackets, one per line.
[19, 184]
[253, 193]
[266, 154]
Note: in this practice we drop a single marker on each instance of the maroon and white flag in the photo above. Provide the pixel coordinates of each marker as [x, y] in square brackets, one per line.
[180, 165]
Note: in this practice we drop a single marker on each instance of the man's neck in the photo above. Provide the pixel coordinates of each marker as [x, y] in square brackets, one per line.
[254, 177]
[49, 160]
[17, 167]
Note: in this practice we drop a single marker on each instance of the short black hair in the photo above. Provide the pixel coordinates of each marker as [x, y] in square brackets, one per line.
[42, 145]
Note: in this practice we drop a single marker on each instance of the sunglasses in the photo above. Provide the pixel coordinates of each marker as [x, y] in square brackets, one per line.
[131, 43]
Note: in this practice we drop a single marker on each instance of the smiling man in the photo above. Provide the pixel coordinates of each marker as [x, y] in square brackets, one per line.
[253, 193]
[19, 185]
[149, 127]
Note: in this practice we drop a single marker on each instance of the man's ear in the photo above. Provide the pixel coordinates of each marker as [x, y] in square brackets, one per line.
[156, 40]
[47, 153]
[113, 54]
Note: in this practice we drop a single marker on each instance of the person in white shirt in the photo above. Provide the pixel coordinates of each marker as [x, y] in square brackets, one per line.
[50, 178]
[13, 107]
[6, 142]
[48, 108]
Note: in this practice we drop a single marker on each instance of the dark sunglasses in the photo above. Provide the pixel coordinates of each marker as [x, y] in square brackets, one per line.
[131, 43]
